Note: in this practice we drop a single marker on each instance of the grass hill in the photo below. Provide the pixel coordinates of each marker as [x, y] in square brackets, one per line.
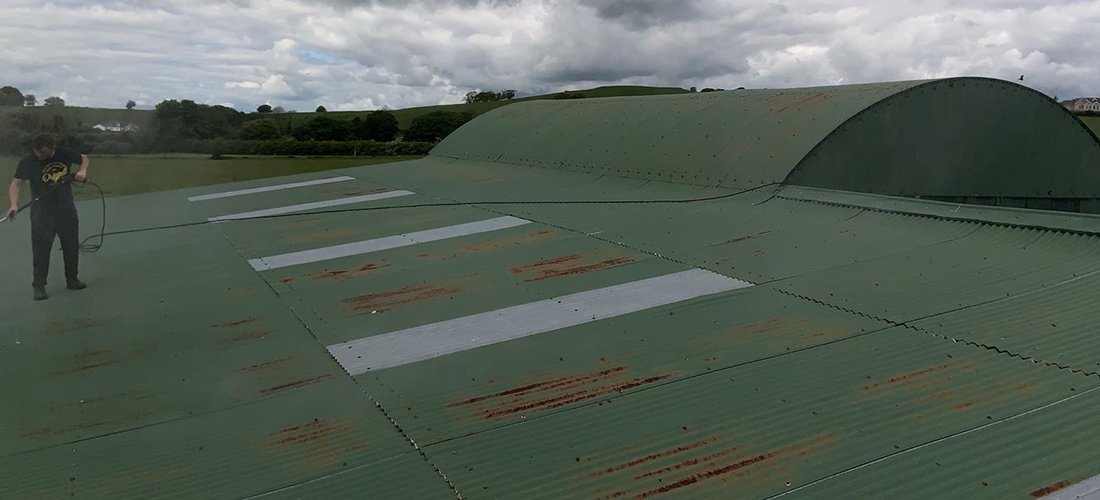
[407, 115]
[1093, 123]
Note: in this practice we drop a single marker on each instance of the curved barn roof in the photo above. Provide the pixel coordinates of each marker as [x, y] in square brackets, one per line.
[951, 137]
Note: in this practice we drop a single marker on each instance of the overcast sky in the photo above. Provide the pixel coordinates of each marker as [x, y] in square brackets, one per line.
[348, 54]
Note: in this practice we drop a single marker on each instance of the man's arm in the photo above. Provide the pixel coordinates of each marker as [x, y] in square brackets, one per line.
[13, 194]
[82, 174]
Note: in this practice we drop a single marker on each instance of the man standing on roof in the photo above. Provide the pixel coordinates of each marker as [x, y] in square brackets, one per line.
[53, 213]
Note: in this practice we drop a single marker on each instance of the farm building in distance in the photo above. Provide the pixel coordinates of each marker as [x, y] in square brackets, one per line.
[882, 290]
[1083, 104]
[115, 127]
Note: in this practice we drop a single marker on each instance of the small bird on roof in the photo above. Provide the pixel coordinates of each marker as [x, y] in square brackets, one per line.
[1021, 78]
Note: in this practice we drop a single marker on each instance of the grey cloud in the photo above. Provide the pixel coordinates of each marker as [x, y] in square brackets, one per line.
[350, 4]
[641, 14]
[422, 52]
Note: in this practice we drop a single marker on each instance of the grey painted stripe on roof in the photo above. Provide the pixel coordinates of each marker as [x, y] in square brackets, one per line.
[386, 243]
[1087, 489]
[242, 192]
[312, 206]
[447, 337]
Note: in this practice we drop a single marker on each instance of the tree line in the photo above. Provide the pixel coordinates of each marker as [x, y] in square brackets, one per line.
[187, 126]
[11, 96]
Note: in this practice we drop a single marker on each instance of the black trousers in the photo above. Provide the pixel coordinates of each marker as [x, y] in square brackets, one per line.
[48, 223]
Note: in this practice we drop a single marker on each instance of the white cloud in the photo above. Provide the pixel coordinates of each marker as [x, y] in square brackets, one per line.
[344, 53]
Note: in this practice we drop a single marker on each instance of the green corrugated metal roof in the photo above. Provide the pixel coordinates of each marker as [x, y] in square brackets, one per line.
[874, 347]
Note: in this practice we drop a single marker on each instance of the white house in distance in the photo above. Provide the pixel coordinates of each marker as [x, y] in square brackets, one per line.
[1083, 104]
[114, 127]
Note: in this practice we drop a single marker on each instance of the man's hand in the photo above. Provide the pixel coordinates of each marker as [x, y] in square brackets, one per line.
[81, 176]
[11, 214]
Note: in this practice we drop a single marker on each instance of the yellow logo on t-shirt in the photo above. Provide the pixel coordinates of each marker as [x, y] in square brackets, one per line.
[54, 173]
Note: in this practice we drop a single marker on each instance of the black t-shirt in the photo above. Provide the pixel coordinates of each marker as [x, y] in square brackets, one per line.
[44, 175]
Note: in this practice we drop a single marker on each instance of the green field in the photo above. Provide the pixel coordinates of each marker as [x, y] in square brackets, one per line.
[134, 174]
[1093, 123]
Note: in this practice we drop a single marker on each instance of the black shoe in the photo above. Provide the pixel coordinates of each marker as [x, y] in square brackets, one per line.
[76, 285]
[40, 293]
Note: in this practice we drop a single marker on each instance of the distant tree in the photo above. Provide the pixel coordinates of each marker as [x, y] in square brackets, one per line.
[436, 125]
[323, 128]
[488, 96]
[260, 130]
[378, 126]
[278, 109]
[320, 109]
[693, 90]
[130, 104]
[11, 96]
[174, 122]
[30, 100]
[55, 101]
[264, 108]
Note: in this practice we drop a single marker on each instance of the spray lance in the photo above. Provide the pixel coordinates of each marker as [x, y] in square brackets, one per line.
[12, 213]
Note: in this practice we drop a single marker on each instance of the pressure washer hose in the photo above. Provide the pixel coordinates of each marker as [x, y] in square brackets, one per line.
[85, 247]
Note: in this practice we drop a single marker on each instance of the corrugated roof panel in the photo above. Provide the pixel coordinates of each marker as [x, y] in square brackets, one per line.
[1028, 456]
[1056, 324]
[404, 476]
[353, 297]
[749, 431]
[237, 452]
[478, 390]
[139, 325]
[991, 264]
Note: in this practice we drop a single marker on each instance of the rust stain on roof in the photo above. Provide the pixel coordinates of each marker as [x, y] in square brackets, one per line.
[749, 237]
[556, 392]
[511, 242]
[572, 398]
[91, 360]
[566, 266]
[347, 274]
[401, 297]
[78, 427]
[313, 431]
[717, 465]
[294, 385]
[235, 324]
[544, 385]
[321, 443]
[1046, 490]
[908, 376]
[265, 366]
[655, 456]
